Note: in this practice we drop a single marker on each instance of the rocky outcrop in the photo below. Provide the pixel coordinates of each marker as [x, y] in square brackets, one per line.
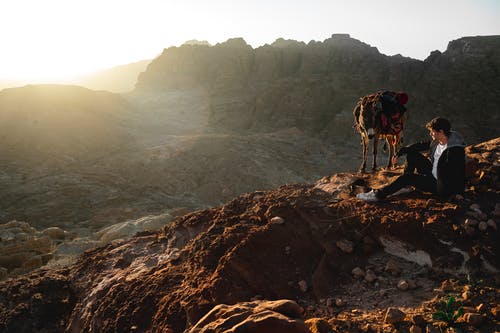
[23, 248]
[124, 230]
[462, 84]
[315, 86]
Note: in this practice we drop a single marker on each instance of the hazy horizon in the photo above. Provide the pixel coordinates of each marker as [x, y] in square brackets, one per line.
[56, 39]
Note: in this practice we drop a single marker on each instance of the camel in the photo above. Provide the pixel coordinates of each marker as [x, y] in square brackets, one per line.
[372, 121]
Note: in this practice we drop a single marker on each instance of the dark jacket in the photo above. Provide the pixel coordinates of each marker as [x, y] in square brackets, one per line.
[451, 164]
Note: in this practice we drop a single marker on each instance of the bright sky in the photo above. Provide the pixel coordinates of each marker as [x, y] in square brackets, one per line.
[55, 39]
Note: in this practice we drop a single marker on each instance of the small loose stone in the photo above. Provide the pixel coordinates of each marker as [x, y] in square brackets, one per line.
[358, 272]
[345, 246]
[469, 230]
[492, 224]
[277, 220]
[483, 226]
[466, 295]
[475, 207]
[393, 316]
[370, 276]
[303, 286]
[392, 267]
[403, 285]
[470, 222]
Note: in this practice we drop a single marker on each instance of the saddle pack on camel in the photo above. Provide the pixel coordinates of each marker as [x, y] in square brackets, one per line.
[389, 108]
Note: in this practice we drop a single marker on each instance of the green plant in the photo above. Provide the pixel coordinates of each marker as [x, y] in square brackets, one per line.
[448, 313]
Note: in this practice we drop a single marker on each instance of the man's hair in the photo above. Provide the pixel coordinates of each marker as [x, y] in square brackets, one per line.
[437, 124]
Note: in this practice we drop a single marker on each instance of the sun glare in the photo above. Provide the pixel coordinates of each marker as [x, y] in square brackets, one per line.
[43, 71]
[57, 40]
[60, 39]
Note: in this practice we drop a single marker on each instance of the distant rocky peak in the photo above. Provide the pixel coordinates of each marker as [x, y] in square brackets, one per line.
[197, 42]
[235, 43]
[341, 36]
[283, 43]
[345, 41]
[471, 46]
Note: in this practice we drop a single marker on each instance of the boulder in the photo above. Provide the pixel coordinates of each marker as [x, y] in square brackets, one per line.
[54, 233]
[394, 316]
[318, 325]
[257, 316]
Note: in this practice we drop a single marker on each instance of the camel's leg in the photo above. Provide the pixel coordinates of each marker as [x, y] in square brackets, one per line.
[375, 151]
[396, 143]
[365, 142]
[391, 140]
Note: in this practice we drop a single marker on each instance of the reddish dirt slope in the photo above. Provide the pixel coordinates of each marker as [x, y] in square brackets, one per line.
[343, 261]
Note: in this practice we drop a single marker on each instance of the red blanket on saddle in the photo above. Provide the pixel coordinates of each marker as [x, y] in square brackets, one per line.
[390, 109]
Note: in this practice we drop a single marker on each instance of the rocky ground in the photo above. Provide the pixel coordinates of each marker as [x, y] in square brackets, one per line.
[300, 258]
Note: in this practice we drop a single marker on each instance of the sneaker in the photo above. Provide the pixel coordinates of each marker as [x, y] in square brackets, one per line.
[368, 196]
[404, 190]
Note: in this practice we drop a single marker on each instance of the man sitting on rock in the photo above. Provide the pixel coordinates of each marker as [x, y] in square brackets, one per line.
[443, 174]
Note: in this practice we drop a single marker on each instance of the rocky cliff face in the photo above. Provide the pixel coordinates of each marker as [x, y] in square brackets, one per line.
[463, 84]
[315, 86]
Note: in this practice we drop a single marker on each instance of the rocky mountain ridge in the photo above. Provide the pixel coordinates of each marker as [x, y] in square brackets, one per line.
[118, 79]
[314, 86]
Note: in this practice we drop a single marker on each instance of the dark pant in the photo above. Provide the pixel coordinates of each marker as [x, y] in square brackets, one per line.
[423, 179]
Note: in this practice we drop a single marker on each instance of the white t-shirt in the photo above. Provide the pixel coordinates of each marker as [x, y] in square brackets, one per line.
[437, 154]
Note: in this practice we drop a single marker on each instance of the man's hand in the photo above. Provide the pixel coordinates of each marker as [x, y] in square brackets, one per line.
[394, 161]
